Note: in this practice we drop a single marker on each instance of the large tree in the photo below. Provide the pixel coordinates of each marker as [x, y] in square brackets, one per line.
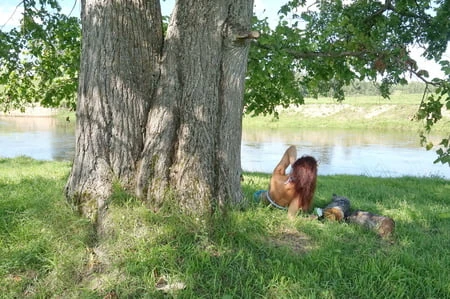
[160, 115]
[159, 111]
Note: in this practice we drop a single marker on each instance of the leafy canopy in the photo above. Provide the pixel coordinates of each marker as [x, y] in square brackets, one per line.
[39, 60]
[317, 47]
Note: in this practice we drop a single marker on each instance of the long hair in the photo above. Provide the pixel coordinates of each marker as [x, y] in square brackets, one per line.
[304, 176]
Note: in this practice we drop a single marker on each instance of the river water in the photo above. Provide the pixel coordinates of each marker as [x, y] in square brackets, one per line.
[340, 151]
[358, 152]
[42, 138]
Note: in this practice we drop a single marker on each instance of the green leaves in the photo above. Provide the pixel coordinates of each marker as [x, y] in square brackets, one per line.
[430, 112]
[272, 79]
[330, 44]
[40, 59]
[321, 48]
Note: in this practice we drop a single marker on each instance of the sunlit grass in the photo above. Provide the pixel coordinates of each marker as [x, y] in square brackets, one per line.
[394, 99]
[252, 251]
[361, 112]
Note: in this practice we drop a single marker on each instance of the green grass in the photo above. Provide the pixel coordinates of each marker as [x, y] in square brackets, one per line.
[361, 112]
[65, 114]
[42, 242]
[250, 252]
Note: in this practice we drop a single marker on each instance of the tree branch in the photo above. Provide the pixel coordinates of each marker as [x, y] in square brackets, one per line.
[248, 35]
[388, 6]
[421, 75]
[422, 78]
[12, 15]
[302, 54]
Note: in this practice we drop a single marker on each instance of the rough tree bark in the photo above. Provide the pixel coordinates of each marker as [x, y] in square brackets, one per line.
[194, 130]
[119, 71]
[161, 120]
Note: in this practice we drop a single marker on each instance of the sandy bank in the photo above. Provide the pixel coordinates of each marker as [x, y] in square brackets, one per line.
[32, 112]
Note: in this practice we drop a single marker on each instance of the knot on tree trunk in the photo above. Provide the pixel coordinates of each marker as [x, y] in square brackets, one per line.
[248, 35]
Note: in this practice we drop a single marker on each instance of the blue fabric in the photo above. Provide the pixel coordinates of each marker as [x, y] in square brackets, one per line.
[257, 195]
[257, 198]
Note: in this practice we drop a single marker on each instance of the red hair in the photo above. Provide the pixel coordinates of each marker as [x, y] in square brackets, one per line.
[304, 176]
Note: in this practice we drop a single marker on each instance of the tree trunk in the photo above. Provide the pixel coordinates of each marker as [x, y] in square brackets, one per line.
[193, 140]
[119, 71]
[165, 122]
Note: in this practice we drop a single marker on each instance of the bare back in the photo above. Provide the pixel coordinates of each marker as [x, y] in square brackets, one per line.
[281, 189]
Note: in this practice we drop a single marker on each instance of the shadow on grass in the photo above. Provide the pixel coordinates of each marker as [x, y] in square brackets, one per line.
[251, 251]
[257, 252]
[42, 240]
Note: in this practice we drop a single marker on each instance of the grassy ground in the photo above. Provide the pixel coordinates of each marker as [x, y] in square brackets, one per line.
[361, 112]
[253, 251]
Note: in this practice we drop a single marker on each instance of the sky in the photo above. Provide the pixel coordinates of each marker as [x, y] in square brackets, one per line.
[10, 14]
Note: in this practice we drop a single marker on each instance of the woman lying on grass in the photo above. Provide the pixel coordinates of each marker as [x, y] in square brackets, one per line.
[294, 190]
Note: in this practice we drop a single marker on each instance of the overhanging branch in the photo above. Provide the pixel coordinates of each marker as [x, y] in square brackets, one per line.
[315, 54]
[388, 6]
[409, 67]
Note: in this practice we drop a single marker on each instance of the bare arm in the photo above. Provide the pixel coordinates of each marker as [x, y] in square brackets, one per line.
[289, 157]
[294, 206]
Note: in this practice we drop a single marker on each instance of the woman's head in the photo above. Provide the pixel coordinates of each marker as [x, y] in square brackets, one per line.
[304, 176]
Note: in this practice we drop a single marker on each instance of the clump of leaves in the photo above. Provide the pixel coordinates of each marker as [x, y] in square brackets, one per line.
[319, 49]
[40, 59]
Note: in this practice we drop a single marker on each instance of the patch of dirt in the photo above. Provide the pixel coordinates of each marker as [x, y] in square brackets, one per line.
[320, 110]
[445, 112]
[290, 238]
[326, 110]
[375, 111]
[32, 111]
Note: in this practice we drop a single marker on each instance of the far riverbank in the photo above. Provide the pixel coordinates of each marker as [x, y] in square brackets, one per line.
[362, 112]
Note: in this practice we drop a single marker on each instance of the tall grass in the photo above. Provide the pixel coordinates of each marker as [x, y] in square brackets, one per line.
[252, 251]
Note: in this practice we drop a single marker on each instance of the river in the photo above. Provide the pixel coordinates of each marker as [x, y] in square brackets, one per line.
[341, 151]
[358, 152]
